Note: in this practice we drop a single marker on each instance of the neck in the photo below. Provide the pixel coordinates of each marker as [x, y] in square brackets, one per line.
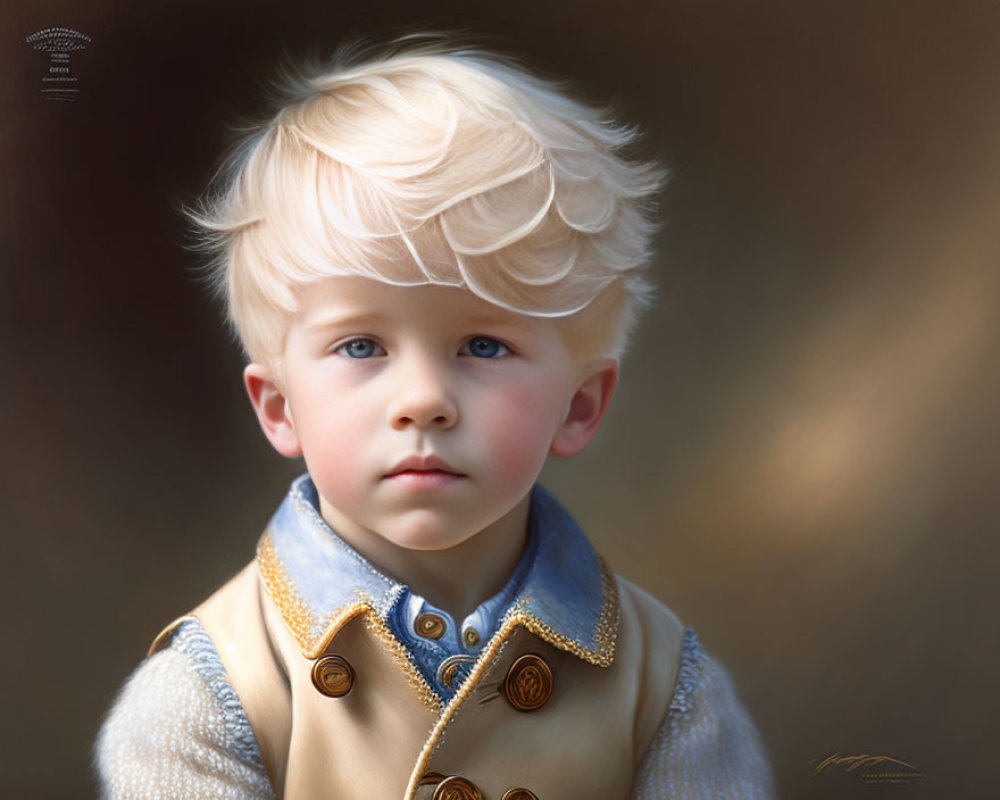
[457, 579]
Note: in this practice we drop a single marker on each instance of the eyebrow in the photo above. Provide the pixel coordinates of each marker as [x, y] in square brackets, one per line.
[344, 320]
[498, 319]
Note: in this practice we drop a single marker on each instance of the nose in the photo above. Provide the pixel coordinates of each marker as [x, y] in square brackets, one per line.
[422, 399]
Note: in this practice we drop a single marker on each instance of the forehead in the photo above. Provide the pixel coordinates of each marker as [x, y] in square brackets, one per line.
[345, 300]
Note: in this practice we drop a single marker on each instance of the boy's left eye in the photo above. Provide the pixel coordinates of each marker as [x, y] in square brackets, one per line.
[484, 347]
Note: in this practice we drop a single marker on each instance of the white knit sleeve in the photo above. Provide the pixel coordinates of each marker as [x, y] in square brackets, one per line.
[178, 730]
[707, 747]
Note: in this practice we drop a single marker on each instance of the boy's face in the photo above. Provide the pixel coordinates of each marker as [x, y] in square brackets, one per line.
[424, 414]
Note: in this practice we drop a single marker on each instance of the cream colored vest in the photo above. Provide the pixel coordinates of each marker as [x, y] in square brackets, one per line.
[390, 738]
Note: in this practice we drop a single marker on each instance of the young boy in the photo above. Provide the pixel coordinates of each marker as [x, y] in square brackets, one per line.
[433, 261]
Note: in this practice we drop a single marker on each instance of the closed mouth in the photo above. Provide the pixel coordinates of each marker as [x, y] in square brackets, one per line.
[423, 466]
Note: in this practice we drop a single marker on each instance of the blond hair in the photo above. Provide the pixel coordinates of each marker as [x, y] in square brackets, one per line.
[433, 165]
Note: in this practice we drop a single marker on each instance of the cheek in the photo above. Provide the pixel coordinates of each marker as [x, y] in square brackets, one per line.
[519, 425]
[328, 441]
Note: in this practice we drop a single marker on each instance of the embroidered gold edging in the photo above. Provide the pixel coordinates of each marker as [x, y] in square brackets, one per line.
[298, 616]
[378, 628]
[334, 622]
[606, 633]
[303, 622]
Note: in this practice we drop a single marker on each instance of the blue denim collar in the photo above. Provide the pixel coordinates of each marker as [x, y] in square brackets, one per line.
[319, 582]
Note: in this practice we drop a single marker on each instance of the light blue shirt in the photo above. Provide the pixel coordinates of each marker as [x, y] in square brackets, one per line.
[453, 647]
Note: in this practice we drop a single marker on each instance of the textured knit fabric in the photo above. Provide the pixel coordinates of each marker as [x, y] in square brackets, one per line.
[707, 747]
[178, 730]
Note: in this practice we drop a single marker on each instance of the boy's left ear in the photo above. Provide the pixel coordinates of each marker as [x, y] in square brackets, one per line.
[586, 409]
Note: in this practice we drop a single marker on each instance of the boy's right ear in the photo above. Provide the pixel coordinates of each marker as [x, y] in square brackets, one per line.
[273, 412]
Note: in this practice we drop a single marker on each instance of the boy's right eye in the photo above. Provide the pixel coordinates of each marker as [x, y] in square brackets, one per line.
[360, 348]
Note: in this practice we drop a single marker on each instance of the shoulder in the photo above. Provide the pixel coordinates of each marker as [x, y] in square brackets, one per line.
[648, 651]
[649, 632]
[177, 725]
[641, 608]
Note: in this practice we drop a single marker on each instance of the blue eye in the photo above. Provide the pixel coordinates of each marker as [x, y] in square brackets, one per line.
[484, 347]
[360, 348]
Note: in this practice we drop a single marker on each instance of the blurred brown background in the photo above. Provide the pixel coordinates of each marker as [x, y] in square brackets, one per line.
[803, 459]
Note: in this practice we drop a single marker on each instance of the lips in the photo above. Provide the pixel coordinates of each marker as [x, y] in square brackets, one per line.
[424, 473]
[430, 463]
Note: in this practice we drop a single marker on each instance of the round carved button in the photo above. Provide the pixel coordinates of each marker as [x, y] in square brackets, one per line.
[528, 685]
[457, 788]
[470, 637]
[430, 626]
[333, 676]
[519, 793]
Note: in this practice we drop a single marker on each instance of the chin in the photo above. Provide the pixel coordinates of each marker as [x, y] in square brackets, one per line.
[426, 531]
[426, 540]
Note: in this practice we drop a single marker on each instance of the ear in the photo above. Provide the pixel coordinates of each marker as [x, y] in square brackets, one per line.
[273, 413]
[586, 408]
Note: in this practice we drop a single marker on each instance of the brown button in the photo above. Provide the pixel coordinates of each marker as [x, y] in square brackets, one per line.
[453, 669]
[333, 676]
[456, 787]
[519, 794]
[470, 637]
[528, 685]
[430, 626]
[447, 673]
